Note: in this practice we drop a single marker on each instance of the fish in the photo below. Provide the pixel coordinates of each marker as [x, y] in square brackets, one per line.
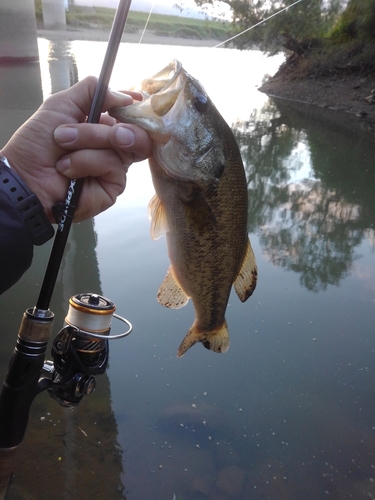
[201, 202]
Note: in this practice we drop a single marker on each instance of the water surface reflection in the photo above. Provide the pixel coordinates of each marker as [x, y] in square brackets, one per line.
[288, 412]
[310, 190]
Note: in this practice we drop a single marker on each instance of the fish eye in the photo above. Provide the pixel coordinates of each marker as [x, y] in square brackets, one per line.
[200, 103]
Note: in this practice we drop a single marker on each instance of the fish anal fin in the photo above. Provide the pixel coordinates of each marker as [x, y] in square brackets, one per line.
[170, 293]
[216, 340]
[246, 280]
[157, 215]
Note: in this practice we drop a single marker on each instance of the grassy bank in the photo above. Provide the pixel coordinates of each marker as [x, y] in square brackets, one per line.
[163, 25]
[334, 60]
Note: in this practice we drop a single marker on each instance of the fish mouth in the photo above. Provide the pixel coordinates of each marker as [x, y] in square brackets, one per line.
[161, 92]
[172, 81]
[163, 79]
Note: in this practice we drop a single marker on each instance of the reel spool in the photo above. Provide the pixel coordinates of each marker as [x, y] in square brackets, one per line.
[90, 313]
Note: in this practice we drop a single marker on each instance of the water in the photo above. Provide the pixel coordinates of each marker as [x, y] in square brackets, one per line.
[288, 411]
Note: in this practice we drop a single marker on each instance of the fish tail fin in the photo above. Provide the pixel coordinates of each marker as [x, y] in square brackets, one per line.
[216, 340]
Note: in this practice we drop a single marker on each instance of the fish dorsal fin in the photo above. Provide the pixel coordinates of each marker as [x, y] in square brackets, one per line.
[246, 280]
[216, 340]
[157, 215]
[170, 293]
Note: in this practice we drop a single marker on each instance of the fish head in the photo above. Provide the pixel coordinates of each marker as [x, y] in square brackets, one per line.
[185, 126]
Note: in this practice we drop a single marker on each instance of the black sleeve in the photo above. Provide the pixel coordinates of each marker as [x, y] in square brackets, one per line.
[16, 245]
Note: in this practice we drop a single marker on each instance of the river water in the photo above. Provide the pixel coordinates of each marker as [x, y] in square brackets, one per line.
[288, 411]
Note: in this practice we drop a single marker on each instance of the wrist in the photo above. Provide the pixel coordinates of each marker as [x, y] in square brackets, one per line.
[26, 202]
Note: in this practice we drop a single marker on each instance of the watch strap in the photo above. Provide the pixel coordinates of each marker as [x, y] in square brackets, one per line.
[26, 203]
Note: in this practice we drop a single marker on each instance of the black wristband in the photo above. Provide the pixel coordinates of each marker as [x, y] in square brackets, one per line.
[26, 203]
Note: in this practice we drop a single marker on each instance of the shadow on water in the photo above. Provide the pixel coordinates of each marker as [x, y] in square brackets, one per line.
[66, 453]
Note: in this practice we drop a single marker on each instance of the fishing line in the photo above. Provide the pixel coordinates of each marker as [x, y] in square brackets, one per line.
[233, 37]
[257, 24]
[149, 15]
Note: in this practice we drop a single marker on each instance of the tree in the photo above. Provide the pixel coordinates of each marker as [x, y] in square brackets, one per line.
[356, 22]
[295, 29]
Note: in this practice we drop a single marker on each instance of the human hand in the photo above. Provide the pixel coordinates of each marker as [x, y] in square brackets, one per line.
[56, 145]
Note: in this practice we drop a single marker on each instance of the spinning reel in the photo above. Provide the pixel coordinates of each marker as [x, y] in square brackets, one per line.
[80, 350]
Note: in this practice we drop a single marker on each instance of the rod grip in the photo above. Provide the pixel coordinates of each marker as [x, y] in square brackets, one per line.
[20, 387]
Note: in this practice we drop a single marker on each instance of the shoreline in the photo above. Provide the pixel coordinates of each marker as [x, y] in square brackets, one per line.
[347, 95]
[100, 35]
[343, 94]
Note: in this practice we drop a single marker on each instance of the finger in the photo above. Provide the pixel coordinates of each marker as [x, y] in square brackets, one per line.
[96, 197]
[120, 137]
[137, 96]
[105, 119]
[95, 163]
[123, 137]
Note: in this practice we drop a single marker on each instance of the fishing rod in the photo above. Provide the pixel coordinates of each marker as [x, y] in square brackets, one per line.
[80, 350]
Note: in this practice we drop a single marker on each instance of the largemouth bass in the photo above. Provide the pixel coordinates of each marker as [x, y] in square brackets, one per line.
[200, 202]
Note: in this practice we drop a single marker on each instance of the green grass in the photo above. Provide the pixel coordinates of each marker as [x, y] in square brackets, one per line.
[166, 25]
[171, 24]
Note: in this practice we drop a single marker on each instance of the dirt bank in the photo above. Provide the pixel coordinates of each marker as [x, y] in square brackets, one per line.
[347, 93]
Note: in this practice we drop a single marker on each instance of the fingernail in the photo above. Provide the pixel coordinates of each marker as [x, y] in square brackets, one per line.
[125, 98]
[65, 135]
[63, 164]
[125, 136]
[119, 94]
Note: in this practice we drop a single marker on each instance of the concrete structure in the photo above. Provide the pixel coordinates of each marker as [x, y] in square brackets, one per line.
[54, 17]
[18, 35]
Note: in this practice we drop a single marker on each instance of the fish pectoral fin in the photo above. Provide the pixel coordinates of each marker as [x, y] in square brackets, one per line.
[246, 280]
[158, 217]
[170, 293]
[216, 340]
[199, 214]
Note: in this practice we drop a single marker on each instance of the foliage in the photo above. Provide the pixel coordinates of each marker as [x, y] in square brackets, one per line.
[89, 17]
[190, 33]
[295, 29]
[357, 21]
[38, 12]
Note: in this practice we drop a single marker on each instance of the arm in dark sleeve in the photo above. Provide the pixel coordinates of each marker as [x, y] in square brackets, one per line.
[16, 245]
